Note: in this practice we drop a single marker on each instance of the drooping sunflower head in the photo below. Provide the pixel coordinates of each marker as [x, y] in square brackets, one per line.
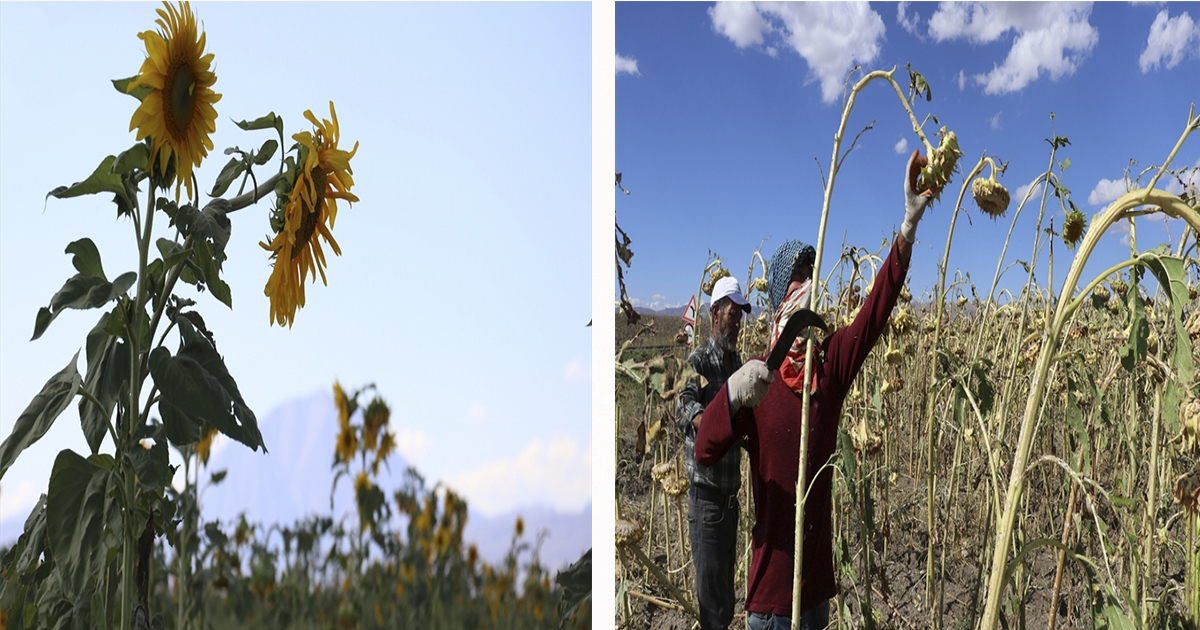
[991, 196]
[343, 404]
[1073, 228]
[177, 114]
[309, 209]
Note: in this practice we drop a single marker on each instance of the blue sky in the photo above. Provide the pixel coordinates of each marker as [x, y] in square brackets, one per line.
[464, 288]
[721, 110]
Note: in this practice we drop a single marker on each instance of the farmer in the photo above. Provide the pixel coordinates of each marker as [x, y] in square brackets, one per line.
[713, 487]
[764, 409]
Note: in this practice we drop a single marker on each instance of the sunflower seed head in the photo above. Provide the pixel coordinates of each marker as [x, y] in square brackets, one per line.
[990, 196]
[1073, 228]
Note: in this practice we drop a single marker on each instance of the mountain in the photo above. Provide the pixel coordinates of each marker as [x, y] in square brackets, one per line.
[292, 481]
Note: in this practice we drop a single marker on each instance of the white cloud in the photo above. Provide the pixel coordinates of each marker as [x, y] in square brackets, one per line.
[577, 370]
[1170, 41]
[1051, 37]
[628, 65]
[740, 22]
[656, 302]
[831, 37]
[996, 120]
[557, 474]
[1022, 190]
[962, 80]
[902, 146]
[1106, 191]
[413, 445]
[19, 500]
[909, 22]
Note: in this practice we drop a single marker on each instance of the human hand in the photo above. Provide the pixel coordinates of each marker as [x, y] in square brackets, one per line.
[748, 386]
[914, 202]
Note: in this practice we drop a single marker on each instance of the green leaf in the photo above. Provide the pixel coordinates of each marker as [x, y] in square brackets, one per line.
[266, 151]
[140, 92]
[173, 253]
[196, 383]
[37, 418]
[233, 168]
[133, 158]
[82, 292]
[983, 392]
[210, 273]
[576, 584]
[87, 258]
[270, 121]
[107, 378]
[75, 508]
[101, 180]
[1170, 271]
[153, 466]
[848, 463]
[181, 428]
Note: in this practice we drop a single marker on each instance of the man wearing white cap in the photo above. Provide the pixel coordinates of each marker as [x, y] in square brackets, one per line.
[713, 490]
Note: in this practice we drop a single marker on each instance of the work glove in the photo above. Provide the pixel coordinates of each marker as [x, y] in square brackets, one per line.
[748, 385]
[914, 203]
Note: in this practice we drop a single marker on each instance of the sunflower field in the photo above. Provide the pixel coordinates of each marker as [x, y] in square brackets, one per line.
[117, 541]
[1005, 459]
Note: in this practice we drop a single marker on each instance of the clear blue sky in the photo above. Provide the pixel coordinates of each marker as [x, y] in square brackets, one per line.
[464, 288]
[721, 110]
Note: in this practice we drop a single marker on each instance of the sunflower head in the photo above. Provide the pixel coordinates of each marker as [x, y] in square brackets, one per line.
[347, 444]
[1073, 228]
[177, 114]
[991, 196]
[306, 212]
[204, 446]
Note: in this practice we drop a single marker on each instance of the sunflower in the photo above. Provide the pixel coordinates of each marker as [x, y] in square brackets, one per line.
[343, 405]
[347, 444]
[324, 176]
[204, 446]
[177, 115]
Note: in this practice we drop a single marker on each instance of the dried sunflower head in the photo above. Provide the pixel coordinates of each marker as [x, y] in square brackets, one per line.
[1190, 412]
[941, 164]
[708, 285]
[1187, 491]
[1119, 286]
[1100, 296]
[628, 532]
[991, 196]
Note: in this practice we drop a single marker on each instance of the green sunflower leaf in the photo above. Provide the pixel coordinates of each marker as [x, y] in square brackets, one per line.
[82, 292]
[37, 418]
[107, 377]
[75, 507]
[133, 158]
[87, 258]
[266, 151]
[122, 86]
[103, 179]
[196, 383]
[153, 466]
[233, 169]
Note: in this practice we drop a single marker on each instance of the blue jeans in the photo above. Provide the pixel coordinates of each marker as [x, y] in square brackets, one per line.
[815, 618]
[712, 528]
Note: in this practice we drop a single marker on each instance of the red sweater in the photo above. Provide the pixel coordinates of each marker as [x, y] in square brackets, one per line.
[773, 429]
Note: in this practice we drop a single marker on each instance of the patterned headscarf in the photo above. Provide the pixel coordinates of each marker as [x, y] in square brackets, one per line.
[787, 257]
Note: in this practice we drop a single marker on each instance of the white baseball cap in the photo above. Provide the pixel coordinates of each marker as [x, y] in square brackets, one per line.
[729, 287]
